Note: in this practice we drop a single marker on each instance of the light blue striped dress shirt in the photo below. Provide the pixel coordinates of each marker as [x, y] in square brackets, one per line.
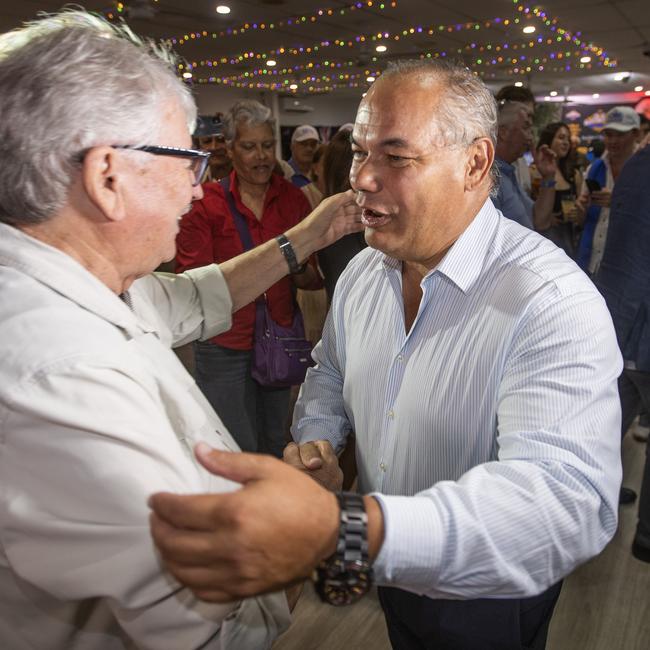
[498, 410]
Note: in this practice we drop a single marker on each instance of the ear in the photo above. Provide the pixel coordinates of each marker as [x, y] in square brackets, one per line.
[103, 176]
[479, 162]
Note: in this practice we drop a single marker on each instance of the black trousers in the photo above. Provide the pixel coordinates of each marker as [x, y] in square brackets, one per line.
[421, 623]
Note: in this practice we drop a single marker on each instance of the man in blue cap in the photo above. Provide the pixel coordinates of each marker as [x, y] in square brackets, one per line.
[209, 136]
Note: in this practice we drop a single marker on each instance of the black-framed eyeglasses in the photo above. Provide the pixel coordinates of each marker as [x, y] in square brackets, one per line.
[199, 159]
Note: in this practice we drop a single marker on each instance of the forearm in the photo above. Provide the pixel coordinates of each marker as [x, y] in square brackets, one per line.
[507, 529]
[250, 274]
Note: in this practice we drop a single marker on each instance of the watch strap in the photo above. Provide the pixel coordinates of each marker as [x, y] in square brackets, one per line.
[352, 544]
[346, 575]
[289, 254]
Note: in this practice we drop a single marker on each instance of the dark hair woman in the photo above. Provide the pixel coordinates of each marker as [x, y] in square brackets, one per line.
[568, 181]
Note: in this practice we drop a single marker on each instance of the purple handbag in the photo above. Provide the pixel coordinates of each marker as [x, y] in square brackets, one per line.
[281, 355]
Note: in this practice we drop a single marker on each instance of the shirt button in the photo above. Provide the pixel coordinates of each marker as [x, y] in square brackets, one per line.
[391, 415]
[400, 357]
[382, 466]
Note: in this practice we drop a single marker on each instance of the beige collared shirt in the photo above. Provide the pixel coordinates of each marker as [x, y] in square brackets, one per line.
[96, 414]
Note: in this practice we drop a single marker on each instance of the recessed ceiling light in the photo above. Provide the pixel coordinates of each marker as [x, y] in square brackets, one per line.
[187, 75]
[638, 89]
[585, 59]
[519, 84]
[381, 48]
[647, 92]
[553, 93]
[223, 9]
[622, 76]
[595, 95]
[529, 29]
[370, 79]
[271, 63]
[293, 87]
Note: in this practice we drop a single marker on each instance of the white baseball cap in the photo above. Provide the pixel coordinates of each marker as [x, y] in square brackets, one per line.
[305, 132]
[622, 118]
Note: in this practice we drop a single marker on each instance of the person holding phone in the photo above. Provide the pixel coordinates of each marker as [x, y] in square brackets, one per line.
[620, 136]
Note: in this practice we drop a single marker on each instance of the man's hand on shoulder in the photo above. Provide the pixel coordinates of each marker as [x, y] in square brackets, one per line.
[266, 536]
[318, 460]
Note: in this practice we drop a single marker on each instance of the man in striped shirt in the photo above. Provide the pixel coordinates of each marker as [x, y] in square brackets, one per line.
[477, 366]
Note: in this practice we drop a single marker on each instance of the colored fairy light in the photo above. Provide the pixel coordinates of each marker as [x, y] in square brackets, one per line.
[552, 49]
[293, 21]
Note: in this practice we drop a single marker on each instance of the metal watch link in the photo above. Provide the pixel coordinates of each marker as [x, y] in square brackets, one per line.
[346, 576]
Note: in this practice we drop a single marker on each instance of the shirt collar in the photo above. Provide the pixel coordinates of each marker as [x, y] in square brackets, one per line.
[63, 274]
[464, 261]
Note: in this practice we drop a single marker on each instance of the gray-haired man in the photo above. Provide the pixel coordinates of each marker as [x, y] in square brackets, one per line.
[476, 365]
[96, 413]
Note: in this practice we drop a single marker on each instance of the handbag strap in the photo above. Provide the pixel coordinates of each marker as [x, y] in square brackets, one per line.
[240, 224]
[237, 216]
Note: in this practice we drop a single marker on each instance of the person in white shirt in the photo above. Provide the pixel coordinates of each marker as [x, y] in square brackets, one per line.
[476, 365]
[96, 412]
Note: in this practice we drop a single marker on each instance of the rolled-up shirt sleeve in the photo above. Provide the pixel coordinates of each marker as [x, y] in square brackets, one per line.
[192, 305]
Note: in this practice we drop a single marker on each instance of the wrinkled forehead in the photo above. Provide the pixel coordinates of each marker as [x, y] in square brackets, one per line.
[245, 130]
[400, 109]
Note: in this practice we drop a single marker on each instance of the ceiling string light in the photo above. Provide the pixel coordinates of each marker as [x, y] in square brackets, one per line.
[560, 35]
[293, 21]
[516, 56]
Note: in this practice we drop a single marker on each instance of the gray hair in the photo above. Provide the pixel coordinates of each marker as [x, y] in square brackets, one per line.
[509, 111]
[69, 82]
[467, 110]
[247, 111]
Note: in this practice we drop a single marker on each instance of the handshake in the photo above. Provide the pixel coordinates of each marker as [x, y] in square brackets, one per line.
[318, 460]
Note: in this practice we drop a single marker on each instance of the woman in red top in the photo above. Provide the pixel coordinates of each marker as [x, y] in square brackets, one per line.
[256, 416]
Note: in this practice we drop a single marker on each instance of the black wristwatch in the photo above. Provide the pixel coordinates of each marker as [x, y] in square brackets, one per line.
[346, 576]
[290, 255]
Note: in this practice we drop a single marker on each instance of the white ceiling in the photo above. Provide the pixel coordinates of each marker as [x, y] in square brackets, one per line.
[620, 28]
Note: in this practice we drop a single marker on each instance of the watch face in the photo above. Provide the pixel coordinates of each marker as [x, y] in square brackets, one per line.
[340, 584]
